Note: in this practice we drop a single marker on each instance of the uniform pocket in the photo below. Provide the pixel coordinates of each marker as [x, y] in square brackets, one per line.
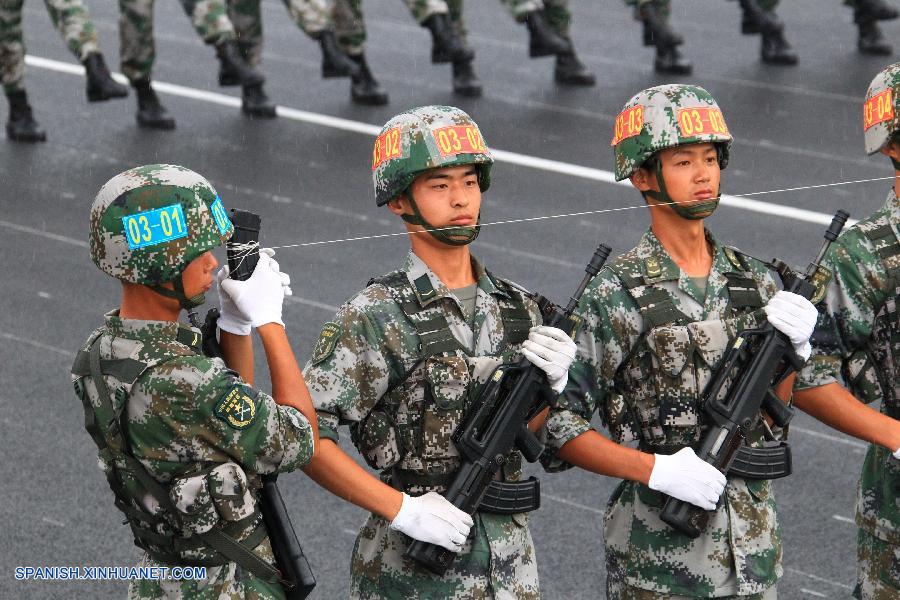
[230, 492]
[376, 439]
[192, 500]
[447, 381]
[675, 378]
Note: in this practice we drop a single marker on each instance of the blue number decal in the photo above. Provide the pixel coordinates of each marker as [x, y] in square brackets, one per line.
[220, 216]
[153, 227]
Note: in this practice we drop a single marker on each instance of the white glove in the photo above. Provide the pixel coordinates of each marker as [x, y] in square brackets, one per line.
[897, 454]
[684, 476]
[552, 351]
[794, 316]
[230, 318]
[432, 518]
[259, 299]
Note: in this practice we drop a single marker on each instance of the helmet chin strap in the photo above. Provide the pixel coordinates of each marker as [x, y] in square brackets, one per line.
[452, 236]
[178, 294]
[694, 211]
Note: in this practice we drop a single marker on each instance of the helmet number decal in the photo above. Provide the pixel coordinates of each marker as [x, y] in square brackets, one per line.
[155, 226]
[459, 139]
[220, 216]
[628, 124]
[702, 120]
[387, 147]
[878, 109]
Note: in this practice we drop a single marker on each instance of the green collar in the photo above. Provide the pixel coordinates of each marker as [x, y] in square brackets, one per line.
[152, 331]
[429, 287]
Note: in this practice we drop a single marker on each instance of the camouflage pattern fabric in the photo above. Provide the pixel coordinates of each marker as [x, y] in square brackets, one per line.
[70, 17]
[137, 48]
[557, 12]
[418, 140]
[863, 332]
[312, 16]
[148, 188]
[177, 422]
[421, 10]
[644, 382]
[366, 373]
[882, 102]
[662, 117]
[626, 592]
[878, 571]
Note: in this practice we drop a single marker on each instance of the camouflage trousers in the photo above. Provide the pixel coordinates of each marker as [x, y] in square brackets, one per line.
[626, 592]
[350, 26]
[71, 19]
[878, 568]
[497, 562]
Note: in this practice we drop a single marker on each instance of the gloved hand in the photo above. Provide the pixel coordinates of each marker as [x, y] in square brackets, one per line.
[794, 316]
[897, 454]
[684, 476]
[260, 298]
[230, 318]
[432, 518]
[552, 351]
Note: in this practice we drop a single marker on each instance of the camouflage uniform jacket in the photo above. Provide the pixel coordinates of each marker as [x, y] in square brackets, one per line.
[645, 380]
[185, 414]
[368, 372]
[858, 344]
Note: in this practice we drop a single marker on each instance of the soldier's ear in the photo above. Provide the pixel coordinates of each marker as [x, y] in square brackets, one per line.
[398, 205]
[892, 149]
[641, 179]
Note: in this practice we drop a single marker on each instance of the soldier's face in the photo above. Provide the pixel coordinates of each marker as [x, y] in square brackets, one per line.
[447, 197]
[892, 149]
[197, 277]
[692, 175]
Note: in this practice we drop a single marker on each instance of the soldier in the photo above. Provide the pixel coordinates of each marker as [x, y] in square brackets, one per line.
[72, 20]
[758, 16]
[656, 322]
[866, 14]
[211, 21]
[182, 438]
[316, 19]
[857, 344]
[402, 361]
[350, 28]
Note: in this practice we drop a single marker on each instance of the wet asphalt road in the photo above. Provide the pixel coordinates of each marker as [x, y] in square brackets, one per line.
[309, 178]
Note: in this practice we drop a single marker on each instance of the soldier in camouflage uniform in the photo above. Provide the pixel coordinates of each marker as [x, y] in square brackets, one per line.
[72, 20]
[857, 345]
[758, 17]
[182, 438]
[866, 14]
[403, 360]
[656, 322]
[211, 21]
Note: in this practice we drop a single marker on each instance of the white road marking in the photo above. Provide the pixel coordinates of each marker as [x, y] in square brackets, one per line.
[49, 348]
[843, 519]
[813, 593]
[822, 579]
[524, 160]
[840, 439]
[42, 233]
[570, 503]
[307, 302]
[53, 521]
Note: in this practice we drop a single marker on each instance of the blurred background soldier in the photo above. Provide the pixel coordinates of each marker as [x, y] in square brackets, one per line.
[72, 20]
[350, 28]
[316, 19]
[866, 14]
[655, 17]
[759, 18]
[211, 21]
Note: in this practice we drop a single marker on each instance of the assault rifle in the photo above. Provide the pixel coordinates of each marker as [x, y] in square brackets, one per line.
[297, 577]
[741, 387]
[496, 424]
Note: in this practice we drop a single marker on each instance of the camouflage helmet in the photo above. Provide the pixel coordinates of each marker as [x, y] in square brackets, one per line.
[881, 111]
[428, 137]
[663, 117]
[149, 222]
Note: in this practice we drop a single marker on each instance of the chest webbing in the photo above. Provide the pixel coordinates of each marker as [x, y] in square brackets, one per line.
[657, 305]
[432, 328]
[107, 426]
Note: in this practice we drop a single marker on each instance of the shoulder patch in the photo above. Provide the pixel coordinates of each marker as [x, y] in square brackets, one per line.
[237, 407]
[331, 332]
[820, 279]
[733, 257]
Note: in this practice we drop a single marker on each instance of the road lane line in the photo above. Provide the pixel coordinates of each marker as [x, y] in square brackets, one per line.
[813, 593]
[515, 158]
[42, 233]
[843, 519]
[15, 338]
[570, 503]
[307, 302]
[834, 438]
[817, 578]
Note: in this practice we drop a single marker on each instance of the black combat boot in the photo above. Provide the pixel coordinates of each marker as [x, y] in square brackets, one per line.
[21, 126]
[669, 61]
[656, 29]
[545, 41]
[233, 69]
[334, 62]
[100, 84]
[776, 50]
[755, 19]
[873, 10]
[364, 89]
[871, 41]
[571, 71]
[465, 81]
[255, 103]
[151, 113]
[446, 45]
